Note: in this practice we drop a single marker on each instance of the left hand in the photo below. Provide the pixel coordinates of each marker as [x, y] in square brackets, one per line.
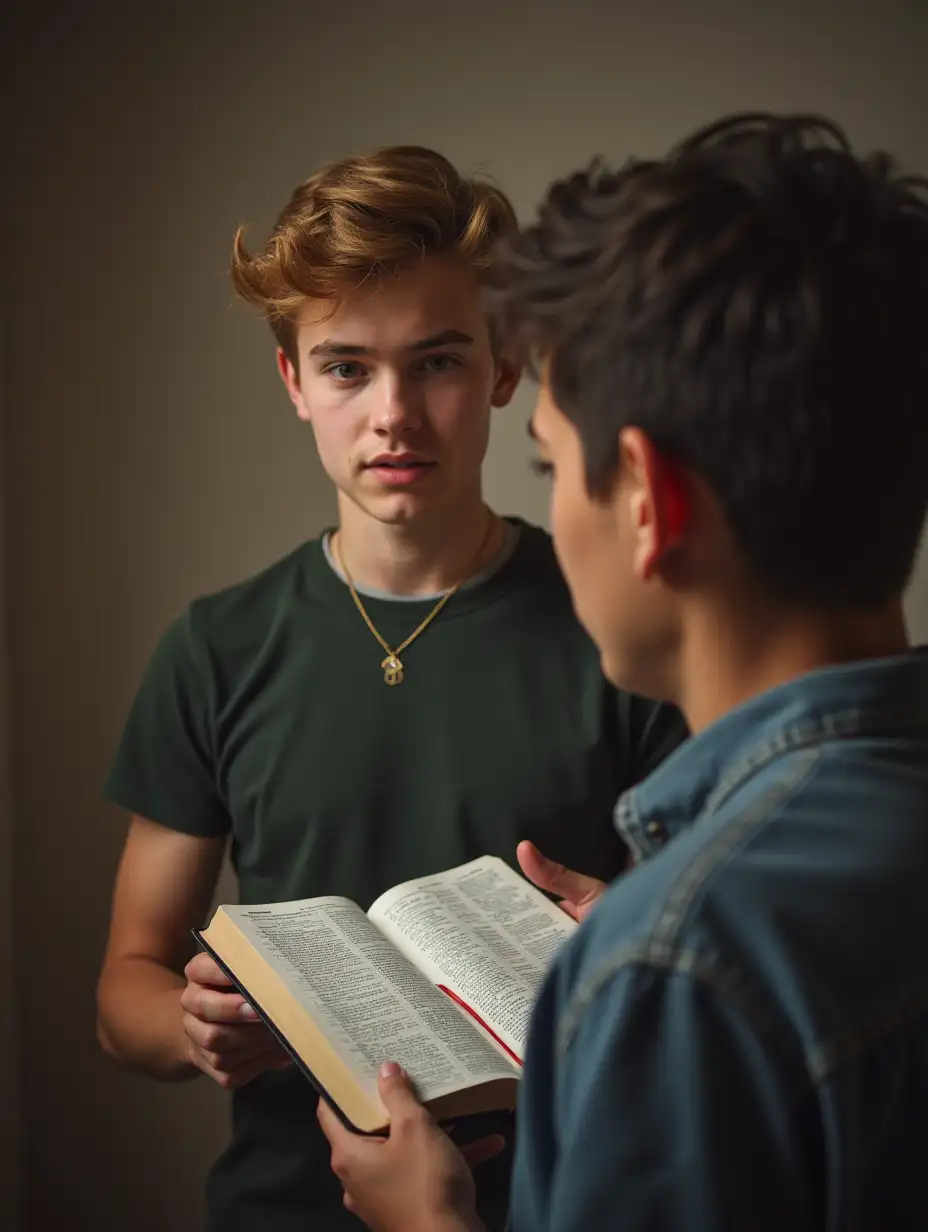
[414, 1181]
[578, 893]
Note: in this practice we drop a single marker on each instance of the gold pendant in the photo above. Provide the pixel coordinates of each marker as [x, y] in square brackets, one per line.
[392, 670]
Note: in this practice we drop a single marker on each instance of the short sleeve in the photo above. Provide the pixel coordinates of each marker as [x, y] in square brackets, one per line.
[164, 768]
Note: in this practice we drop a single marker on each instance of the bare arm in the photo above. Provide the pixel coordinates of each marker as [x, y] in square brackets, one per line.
[154, 1012]
[164, 886]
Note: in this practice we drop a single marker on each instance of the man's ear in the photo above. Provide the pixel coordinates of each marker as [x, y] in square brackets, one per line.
[291, 380]
[661, 500]
[508, 375]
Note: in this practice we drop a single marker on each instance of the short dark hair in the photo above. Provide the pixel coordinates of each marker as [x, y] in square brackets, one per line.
[757, 303]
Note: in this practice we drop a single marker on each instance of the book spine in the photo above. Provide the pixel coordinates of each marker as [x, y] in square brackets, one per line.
[280, 1037]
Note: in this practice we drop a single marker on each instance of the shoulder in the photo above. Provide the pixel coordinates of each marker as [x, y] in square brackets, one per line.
[711, 905]
[241, 615]
[536, 557]
[256, 596]
[533, 564]
[751, 899]
[529, 597]
[535, 537]
[644, 732]
[217, 630]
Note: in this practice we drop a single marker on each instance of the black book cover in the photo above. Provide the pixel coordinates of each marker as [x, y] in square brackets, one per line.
[280, 1037]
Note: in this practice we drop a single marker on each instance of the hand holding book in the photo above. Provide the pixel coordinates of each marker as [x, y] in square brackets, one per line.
[226, 1039]
[439, 975]
[415, 1177]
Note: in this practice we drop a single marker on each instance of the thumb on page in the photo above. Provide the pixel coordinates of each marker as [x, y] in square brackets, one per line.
[577, 891]
[396, 1092]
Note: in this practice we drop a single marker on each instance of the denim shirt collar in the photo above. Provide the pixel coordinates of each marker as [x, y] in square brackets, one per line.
[877, 694]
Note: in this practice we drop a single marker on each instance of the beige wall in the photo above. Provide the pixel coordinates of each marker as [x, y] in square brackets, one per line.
[152, 455]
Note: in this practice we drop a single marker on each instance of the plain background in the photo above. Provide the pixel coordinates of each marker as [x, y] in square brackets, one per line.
[148, 453]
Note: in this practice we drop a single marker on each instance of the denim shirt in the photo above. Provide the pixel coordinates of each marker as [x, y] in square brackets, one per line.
[737, 1037]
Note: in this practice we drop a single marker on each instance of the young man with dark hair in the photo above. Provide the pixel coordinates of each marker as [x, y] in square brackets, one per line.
[407, 692]
[734, 407]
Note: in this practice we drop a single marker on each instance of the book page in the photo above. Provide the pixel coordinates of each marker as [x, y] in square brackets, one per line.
[368, 999]
[485, 933]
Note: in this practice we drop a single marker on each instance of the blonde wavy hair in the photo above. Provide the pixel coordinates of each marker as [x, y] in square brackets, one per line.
[362, 218]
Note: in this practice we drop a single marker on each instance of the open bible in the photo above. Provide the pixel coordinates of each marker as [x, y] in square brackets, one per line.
[439, 975]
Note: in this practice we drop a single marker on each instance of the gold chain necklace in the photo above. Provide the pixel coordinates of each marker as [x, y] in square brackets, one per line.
[393, 671]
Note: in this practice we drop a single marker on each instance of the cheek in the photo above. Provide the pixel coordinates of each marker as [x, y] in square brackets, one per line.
[563, 527]
[570, 526]
[585, 544]
[461, 410]
[335, 448]
[336, 422]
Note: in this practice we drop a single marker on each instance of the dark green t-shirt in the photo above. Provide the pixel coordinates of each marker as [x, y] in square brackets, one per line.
[264, 716]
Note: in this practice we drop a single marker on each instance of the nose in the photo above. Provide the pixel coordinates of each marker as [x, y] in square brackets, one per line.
[398, 408]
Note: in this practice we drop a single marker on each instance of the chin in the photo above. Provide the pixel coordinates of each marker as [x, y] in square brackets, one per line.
[630, 673]
[612, 669]
[407, 506]
[401, 511]
[394, 508]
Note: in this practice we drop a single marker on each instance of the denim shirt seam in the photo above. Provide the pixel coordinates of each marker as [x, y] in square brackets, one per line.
[661, 948]
[690, 963]
[683, 892]
[628, 823]
[809, 734]
[794, 737]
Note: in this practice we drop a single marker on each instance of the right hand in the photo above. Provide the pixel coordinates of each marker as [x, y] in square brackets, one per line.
[577, 892]
[225, 1037]
[414, 1178]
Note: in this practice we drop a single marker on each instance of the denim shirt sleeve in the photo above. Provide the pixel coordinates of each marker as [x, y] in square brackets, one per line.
[668, 1111]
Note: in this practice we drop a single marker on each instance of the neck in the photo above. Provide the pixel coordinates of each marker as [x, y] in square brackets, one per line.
[421, 558]
[724, 661]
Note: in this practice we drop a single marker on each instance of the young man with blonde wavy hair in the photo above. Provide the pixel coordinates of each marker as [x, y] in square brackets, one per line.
[405, 693]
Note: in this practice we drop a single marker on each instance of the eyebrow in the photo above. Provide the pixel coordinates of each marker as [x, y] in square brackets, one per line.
[530, 429]
[330, 346]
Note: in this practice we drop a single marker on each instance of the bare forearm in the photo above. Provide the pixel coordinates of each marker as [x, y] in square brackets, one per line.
[140, 1018]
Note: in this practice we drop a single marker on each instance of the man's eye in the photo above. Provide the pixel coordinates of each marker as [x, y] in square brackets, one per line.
[542, 467]
[346, 370]
[441, 363]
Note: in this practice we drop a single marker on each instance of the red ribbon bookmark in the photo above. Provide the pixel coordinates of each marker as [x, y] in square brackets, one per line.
[473, 1013]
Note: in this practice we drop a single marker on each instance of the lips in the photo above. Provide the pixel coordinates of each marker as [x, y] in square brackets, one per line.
[399, 469]
[397, 461]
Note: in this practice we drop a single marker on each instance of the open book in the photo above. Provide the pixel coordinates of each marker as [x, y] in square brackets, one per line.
[440, 975]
